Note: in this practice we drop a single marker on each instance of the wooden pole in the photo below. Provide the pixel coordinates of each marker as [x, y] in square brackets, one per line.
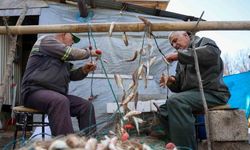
[11, 55]
[128, 27]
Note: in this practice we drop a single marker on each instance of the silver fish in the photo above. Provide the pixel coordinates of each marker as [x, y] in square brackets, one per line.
[119, 81]
[142, 52]
[125, 38]
[112, 25]
[91, 144]
[137, 121]
[146, 147]
[135, 77]
[58, 144]
[144, 77]
[136, 99]
[139, 71]
[133, 58]
[152, 61]
[113, 142]
[128, 98]
[131, 113]
[73, 141]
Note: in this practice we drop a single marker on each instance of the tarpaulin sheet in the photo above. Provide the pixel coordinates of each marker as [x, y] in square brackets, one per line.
[239, 86]
[115, 52]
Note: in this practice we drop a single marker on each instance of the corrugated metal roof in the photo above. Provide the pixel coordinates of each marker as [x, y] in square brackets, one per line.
[110, 4]
[17, 4]
[17, 12]
[14, 7]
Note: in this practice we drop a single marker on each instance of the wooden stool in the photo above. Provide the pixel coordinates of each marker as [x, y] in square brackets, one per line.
[22, 113]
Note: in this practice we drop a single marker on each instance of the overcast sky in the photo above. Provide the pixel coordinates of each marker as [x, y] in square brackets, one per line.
[218, 10]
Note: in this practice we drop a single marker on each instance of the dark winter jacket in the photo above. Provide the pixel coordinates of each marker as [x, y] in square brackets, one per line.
[47, 67]
[210, 65]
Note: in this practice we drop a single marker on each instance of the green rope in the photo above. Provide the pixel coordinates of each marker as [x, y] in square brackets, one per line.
[105, 72]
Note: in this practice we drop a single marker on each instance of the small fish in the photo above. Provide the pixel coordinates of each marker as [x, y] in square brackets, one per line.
[150, 47]
[91, 144]
[137, 121]
[112, 132]
[119, 81]
[128, 98]
[152, 61]
[133, 58]
[112, 144]
[147, 66]
[123, 96]
[58, 144]
[112, 25]
[139, 71]
[125, 38]
[146, 147]
[136, 99]
[144, 77]
[142, 52]
[135, 78]
[73, 141]
[131, 113]
[104, 143]
[101, 146]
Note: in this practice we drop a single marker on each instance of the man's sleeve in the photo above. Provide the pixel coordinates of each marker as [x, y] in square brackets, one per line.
[77, 74]
[207, 51]
[52, 47]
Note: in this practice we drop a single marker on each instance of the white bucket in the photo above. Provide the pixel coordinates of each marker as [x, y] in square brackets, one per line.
[249, 135]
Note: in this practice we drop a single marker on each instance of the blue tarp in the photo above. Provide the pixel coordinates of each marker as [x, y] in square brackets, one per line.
[239, 86]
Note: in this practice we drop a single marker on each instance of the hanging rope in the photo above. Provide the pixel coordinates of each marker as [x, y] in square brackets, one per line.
[91, 97]
[105, 72]
[168, 65]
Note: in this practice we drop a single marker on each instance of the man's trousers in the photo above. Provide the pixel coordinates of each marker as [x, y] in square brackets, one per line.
[61, 108]
[177, 118]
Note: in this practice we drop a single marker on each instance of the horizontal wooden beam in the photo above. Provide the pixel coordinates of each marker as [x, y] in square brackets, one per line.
[128, 27]
[141, 0]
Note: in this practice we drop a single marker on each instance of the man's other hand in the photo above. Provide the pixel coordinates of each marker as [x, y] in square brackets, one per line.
[172, 57]
[166, 80]
[88, 67]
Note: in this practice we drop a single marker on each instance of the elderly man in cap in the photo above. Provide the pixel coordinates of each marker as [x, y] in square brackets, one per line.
[176, 114]
[46, 80]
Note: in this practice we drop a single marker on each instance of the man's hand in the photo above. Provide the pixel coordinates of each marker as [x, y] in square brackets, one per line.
[172, 57]
[166, 80]
[88, 67]
[96, 53]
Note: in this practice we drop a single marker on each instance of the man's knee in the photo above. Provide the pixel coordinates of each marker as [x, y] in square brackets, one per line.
[61, 102]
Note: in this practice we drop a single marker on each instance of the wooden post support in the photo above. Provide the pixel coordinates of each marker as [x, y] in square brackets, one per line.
[10, 57]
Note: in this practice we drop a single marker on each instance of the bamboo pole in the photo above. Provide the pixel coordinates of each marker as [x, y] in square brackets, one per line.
[128, 27]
